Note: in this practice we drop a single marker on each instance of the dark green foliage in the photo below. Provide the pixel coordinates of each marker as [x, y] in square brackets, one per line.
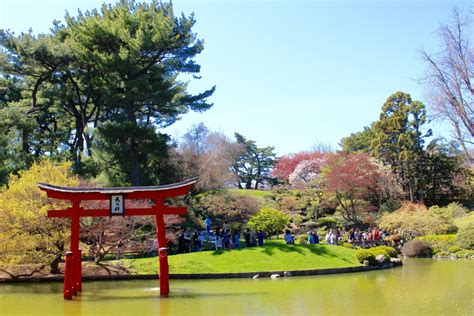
[328, 222]
[446, 176]
[113, 152]
[390, 206]
[359, 141]
[117, 64]
[365, 254]
[398, 141]
[465, 236]
[417, 248]
[253, 166]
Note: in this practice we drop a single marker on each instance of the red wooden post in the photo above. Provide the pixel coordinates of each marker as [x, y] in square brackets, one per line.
[78, 269]
[68, 277]
[163, 253]
[73, 271]
[164, 270]
[74, 247]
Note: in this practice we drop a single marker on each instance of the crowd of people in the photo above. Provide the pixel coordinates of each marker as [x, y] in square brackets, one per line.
[312, 238]
[333, 236]
[226, 238]
[218, 238]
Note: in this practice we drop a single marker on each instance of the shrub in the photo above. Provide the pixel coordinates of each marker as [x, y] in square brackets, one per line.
[417, 248]
[23, 214]
[328, 222]
[413, 220]
[296, 219]
[322, 233]
[310, 224]
[365, 254]
[439, 242]
[465, 236]
[348, 245]
[390, 206]
[451, 211]
[462, 254]
[268, 220]
[450, 238]
[454, 248]
[462, 221]
[389, 250]
[443, 254]
[378, 251]
[302, 239]
[393, 239]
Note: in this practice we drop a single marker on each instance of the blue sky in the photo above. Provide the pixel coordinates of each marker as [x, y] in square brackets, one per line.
[291, 73]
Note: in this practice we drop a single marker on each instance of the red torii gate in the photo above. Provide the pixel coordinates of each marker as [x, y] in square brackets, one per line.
[117, 197]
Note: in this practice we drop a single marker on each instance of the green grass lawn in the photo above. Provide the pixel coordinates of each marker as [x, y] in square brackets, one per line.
[253, 193]
[274, 256]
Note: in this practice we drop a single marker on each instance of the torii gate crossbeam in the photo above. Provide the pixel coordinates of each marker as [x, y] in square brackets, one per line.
[117, 197]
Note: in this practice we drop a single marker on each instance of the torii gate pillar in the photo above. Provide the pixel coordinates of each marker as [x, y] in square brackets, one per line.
[157, 194]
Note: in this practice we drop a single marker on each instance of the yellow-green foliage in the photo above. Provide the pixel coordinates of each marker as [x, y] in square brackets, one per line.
[269, 220]
[462, 221]
[365, 254]
[439, 243]
[391, 252]
[26, 233]
[302, 239]
[412, 220]
[450, 212]
[465, 236]
[379, 251]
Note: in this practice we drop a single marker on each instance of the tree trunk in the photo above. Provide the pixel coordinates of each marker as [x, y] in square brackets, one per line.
[79, 146]
[410, 192]
[54, 265]
[24, 141]
[134, 165]
[248, 184]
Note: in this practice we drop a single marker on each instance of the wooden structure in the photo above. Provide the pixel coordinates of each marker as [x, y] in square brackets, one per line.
[117, 197]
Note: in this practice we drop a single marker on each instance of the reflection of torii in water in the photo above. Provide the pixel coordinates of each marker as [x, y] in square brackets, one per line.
[157, 194]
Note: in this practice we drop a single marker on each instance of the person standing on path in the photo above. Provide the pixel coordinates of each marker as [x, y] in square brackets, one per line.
[208, 223]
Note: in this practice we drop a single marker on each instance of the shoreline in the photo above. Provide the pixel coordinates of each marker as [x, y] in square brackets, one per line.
[202, 276]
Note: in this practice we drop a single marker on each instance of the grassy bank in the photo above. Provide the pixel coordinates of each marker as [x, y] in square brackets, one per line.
[274, 256]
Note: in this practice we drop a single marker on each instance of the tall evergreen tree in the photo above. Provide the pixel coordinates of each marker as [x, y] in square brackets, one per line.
[398, 141]
[359, 141]
[119, 63]
[253, 165]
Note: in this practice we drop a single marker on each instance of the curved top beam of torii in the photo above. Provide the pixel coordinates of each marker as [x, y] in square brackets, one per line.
[117, 197]
[142, 192]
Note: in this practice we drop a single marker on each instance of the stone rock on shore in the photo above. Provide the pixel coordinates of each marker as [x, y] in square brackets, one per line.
[381, 258]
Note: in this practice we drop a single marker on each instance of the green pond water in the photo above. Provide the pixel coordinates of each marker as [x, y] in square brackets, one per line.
[420, 287]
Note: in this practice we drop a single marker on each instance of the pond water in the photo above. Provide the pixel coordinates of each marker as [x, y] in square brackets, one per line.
[420, 287]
